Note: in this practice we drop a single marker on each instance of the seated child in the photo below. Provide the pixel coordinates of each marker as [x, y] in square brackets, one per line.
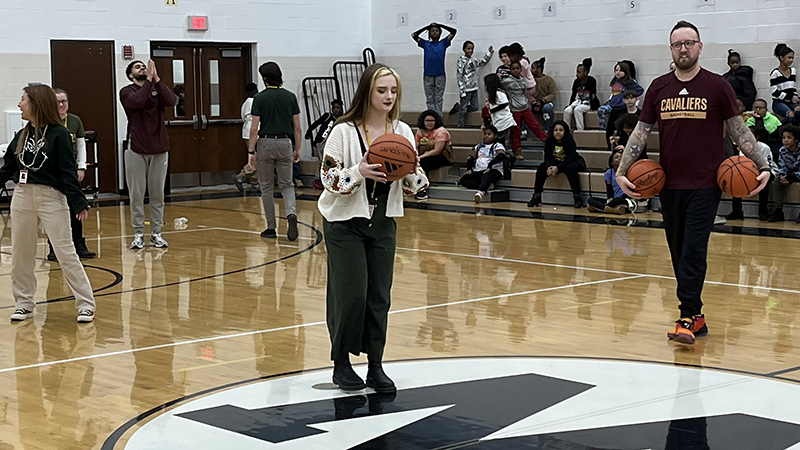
[788, 170]
[616, 201]
[763, 119]
[485, 164]
[763, 197]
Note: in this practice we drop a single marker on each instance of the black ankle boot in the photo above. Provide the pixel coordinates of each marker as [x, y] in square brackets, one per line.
[83, 251]
[345, 377]
[578, 200]
[378, 380]
[52, 255]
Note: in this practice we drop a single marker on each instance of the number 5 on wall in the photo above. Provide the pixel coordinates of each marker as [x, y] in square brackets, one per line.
[631, 5]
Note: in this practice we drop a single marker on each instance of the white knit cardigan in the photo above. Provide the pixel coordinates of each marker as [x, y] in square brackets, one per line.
[345, 194]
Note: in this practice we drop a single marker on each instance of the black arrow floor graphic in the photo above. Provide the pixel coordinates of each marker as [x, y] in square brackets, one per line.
[480, 408]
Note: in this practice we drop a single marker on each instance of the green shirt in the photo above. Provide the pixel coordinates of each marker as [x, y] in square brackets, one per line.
[275, 107]
[74, 125]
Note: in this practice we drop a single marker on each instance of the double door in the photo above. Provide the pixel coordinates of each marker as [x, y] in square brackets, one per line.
[205, 125]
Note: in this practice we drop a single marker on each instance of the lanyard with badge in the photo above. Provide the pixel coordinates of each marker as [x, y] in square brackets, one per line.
[32, 146]
[371, 199]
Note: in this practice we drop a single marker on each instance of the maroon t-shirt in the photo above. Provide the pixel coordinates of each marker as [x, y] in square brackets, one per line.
[144, 105]
[691, 118]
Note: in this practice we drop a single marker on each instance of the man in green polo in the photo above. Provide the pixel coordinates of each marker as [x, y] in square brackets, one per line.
[74, 125]
[274, 131]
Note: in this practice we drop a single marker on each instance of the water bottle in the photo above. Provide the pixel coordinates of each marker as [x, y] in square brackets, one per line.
[181, 223]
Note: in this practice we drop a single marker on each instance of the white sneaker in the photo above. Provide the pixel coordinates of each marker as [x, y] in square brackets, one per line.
[138, 241]
[87, 315]
[478, 196]
[21, 314]
[719, 220]
[157, 241]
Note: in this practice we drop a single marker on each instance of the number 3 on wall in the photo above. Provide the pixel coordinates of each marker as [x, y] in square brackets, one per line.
[632, 5]
[499, 13]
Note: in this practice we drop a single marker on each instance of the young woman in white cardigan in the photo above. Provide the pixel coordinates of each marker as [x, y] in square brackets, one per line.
[359, 207]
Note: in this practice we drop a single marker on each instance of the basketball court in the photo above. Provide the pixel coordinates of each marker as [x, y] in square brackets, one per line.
[551, 322]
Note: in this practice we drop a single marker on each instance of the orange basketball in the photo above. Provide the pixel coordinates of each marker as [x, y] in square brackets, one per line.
[395, 154]
[648, 177]
[736, 176]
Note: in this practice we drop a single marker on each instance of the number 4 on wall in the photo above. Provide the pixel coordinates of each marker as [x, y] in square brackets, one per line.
[631, 5]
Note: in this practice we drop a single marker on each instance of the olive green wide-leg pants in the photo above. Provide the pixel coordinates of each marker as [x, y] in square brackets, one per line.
[360, 271]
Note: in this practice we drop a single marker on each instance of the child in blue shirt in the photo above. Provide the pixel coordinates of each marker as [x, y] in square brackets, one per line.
[434, 79]
[616, 201]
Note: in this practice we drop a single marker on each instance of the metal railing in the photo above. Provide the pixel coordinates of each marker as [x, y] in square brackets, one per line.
[318, 92]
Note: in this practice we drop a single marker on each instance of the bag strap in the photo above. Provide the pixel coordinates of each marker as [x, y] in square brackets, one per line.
[360, 140]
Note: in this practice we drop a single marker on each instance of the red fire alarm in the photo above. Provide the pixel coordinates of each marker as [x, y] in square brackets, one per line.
[127, 52]
[197, 23]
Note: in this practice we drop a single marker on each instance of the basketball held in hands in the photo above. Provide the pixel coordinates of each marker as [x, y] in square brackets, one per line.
[737, 176]
[395, 154]
[647, 176]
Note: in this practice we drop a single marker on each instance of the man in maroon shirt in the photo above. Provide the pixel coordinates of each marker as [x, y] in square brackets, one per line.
[692, 106]
[148, 145]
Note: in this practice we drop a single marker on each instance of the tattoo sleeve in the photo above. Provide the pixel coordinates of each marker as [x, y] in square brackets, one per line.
[636, 143]
[745, 140]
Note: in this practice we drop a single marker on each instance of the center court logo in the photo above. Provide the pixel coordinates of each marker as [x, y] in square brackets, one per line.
[493, 404]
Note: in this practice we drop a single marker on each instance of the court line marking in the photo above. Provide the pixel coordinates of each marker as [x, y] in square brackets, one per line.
[301, 325]
[592, 269]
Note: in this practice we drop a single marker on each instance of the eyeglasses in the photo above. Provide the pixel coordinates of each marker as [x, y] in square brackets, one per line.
[688, 44]
[63, 102]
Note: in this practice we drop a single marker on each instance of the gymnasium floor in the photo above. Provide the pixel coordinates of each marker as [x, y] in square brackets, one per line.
[510, 328]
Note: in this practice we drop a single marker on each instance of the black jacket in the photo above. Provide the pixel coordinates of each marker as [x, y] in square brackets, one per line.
[591, 86]
[570, 154]
[742, 82]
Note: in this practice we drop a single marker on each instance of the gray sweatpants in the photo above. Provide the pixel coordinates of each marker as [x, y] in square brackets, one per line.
[146, 171]
[275, 155]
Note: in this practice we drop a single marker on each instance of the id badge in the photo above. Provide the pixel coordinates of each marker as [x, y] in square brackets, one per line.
[23, 177]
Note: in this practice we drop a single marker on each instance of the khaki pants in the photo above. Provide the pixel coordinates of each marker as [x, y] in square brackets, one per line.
[30, 205]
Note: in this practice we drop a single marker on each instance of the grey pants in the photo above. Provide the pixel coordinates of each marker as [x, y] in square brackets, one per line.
[434, 91]
[275, 155]
[469, 103]
[146, 171]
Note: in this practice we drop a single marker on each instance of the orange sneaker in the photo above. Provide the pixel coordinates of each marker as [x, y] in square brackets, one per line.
[688, 328]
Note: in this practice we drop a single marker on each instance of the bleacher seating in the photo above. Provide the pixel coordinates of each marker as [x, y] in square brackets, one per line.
[591, 145]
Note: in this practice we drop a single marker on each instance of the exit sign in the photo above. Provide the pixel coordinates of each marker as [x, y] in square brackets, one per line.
[197, 23]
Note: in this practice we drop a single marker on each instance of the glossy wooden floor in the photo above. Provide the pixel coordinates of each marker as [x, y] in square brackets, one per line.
[223, 305]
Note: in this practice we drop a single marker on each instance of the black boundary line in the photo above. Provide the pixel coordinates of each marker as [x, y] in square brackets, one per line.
[112, 440]
[119, 277]
[781, 372]
[117, 280]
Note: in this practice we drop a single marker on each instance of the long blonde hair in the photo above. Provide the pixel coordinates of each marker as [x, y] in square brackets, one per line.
[44, 111]
[359, 107]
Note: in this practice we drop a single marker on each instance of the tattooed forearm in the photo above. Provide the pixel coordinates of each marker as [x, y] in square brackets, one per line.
[745, 140]
[636, 143]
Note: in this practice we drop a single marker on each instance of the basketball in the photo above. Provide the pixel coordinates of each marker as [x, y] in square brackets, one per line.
[736, 176]
[648, 177]
[395, 154]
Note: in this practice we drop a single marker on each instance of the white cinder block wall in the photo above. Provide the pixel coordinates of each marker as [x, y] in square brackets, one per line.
[600, 29]
[304, 37]
[307, 36]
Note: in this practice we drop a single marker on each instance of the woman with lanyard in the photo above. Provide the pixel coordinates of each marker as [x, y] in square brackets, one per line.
[359, 207]
[40, 159]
